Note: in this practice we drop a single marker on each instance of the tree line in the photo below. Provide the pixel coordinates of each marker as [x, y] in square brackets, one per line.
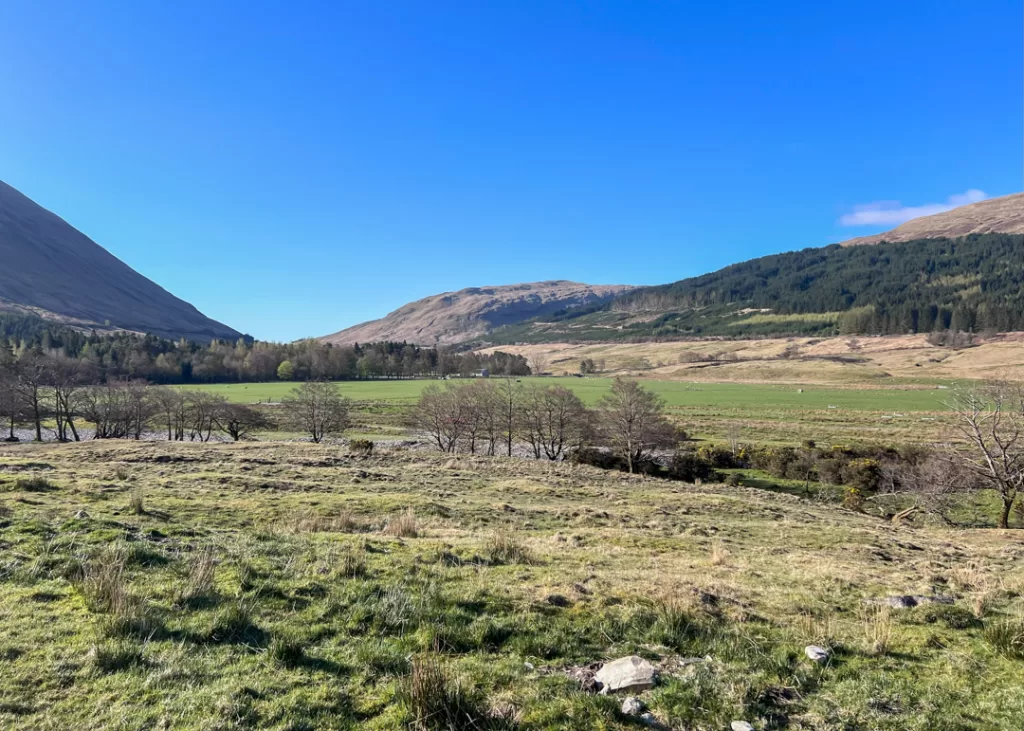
[550, 421]
[120, 355]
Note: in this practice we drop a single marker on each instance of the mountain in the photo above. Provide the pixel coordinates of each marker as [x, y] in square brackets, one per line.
[455, 317]
[1003, 215]
[49, 268]
[964, 272]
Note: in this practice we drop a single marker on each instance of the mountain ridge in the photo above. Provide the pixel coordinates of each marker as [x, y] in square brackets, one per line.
[454, 317]
[55, 271]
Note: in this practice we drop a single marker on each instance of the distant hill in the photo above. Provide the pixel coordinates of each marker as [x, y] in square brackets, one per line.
[1003, 215]
[49, 268]
[957, 274]
[455, 317]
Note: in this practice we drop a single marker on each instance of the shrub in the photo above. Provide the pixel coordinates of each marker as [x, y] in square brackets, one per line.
[718, 457]
[949, 615]
[362, 447]
[734, 479]
[597, 458]
[689, 466]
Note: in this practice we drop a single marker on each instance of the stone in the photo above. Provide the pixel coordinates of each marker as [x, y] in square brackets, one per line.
[817, 654]
[82, 515]
[649, 719]
[557, 600]
[741, 726]
[909, 601]
[626, 673]
[632, 706]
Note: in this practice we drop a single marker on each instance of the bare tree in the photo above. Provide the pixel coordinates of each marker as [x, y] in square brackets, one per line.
[202, 409]
[172, 406]
[509, 394]
[552, 419]
[240, 421]
[991, 420]
[317, 408]
[632, 420]
[118, 409]
[441, 413]
[32, 376]
[66, 378]
[539, 363]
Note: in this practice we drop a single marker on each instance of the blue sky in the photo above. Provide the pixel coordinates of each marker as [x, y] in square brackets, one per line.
[292, 168]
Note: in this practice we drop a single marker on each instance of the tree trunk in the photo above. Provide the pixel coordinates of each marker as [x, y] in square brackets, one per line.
[1004, 517]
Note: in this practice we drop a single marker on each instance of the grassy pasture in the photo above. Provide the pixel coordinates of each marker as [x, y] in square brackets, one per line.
[765, 412]
[295, 586]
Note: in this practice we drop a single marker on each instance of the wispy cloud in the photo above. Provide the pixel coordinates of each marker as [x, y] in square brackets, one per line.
[893, 213]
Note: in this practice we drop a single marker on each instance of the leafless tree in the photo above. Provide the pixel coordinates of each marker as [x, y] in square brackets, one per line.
[991, 420]
[32, 377]
[441, 413]
[171, 404]
[317, 408]
[552, 419]
[12, 406]
[240, 421]
[539, 363]
[509, 394]
[202, 409]
[118, 409]
[632, 420]
[66, 377]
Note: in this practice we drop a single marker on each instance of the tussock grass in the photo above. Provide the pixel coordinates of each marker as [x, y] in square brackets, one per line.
[435, 699]
[343, 522]
[404, 525]
[200, 581]
[1006, 636]
[136, 502]
[34, 484]
[505, 546]
[113, 656]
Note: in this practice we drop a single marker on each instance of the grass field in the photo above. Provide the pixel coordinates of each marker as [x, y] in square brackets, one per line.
[768, 413]
[294, 586]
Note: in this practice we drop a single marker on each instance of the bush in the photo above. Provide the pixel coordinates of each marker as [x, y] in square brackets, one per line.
[363, 447]
[597, 458]
[718, 457]
[949, 615]
[689, 467]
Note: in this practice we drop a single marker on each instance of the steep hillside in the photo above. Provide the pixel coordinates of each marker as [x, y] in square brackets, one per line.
[961, 270]
[455, 317]
[997, 215]
[49, 268]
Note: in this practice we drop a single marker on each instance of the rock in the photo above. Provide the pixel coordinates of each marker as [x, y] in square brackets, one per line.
[82, 515]
[909, 601]
[817, 654]
[632, 706]
[529, 666]
[557, 600]
[627, 673]
[649, 719]
[741, 726]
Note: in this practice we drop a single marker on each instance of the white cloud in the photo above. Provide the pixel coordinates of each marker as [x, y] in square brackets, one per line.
[893, 213]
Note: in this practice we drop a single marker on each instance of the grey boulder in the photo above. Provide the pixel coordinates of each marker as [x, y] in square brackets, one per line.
[627, 673]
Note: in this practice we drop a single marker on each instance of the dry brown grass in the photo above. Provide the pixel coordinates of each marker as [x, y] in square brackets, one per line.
[403, 525]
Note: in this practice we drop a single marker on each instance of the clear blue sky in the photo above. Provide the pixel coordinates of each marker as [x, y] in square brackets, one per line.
[292, 168]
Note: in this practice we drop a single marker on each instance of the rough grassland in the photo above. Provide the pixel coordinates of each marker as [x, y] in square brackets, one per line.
[293, 586]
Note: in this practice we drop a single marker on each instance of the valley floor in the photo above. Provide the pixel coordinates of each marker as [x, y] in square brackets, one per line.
[296, 586]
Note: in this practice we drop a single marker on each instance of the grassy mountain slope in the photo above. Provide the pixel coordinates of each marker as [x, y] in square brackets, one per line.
[1003, 215]
[51, 269]
[471, 313]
